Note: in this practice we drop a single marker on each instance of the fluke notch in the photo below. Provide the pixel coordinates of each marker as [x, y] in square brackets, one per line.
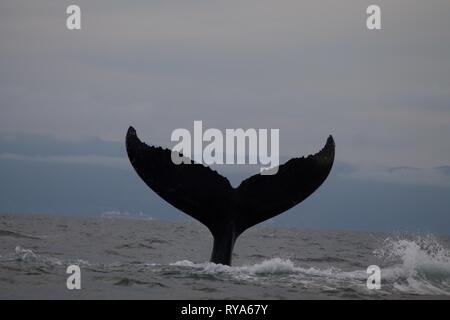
[209, 197]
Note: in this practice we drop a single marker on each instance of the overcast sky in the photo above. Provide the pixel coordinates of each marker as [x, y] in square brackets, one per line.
[309, 68]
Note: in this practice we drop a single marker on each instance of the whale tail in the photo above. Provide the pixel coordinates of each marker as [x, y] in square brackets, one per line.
[209, 197]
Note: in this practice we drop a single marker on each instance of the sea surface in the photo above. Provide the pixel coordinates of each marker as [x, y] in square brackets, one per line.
[123, 257]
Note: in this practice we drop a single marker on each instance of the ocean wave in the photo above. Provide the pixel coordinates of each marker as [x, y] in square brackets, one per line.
[28, 255]
[418, 265]
[126, 215]
[273, 268]
[15, 234]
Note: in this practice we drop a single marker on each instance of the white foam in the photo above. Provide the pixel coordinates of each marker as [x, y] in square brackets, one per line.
[415, 266]
[28, 255]
[126, 215]
[422, 265]
[25, 254]
[271, 267]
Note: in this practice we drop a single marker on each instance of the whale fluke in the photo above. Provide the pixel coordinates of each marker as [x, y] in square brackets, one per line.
[209, 197]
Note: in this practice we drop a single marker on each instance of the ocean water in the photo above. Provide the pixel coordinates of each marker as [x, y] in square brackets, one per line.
[139, 258]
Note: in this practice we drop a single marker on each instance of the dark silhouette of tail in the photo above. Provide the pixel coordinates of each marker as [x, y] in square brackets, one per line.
[209, 197]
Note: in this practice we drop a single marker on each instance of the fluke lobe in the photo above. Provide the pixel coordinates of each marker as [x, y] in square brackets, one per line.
[209, 197]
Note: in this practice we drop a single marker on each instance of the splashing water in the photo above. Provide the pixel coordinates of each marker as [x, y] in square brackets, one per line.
[147, 259]
[420, 265]
[413, 266]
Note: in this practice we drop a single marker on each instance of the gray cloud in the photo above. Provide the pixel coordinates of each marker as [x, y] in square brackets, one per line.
[309, 68]
[42, 174]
